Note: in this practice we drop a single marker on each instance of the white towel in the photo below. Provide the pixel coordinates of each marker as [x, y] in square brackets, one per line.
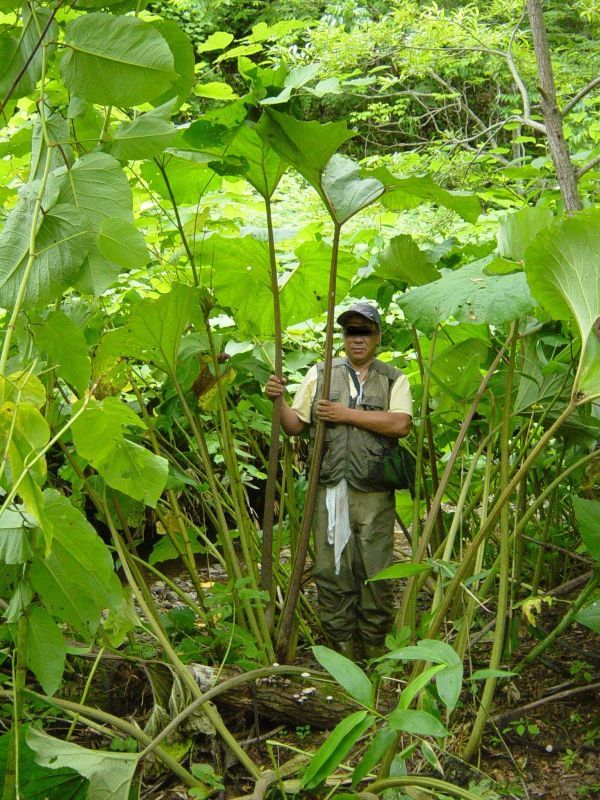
[338, 520]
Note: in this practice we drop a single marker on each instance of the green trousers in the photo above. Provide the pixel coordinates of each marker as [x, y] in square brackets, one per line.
[349, 607]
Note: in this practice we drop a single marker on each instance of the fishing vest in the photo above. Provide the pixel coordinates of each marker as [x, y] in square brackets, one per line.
[349, 452]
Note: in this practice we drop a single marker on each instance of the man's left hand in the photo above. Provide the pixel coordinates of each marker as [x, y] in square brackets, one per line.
[332, 412]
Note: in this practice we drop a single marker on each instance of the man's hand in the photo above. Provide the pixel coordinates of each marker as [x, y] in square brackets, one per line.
[275, 387]
[290, 421]
[332, 412]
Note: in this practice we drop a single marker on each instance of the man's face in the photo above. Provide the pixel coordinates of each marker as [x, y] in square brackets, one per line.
[361, 339]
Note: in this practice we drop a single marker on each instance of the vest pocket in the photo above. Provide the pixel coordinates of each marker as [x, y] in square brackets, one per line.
[372, 402]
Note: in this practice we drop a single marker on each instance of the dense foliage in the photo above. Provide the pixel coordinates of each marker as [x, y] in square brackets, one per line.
[188, 191]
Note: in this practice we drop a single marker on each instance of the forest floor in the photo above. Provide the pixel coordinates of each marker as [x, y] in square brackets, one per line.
[550, 751]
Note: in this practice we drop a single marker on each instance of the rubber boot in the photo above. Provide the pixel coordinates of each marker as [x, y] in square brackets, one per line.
[372, 649]
[347, 648]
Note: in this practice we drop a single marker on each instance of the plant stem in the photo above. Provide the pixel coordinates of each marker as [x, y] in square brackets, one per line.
[504, 586]
[266, 574]
[187, 679]
[437, 500]
[285, 639]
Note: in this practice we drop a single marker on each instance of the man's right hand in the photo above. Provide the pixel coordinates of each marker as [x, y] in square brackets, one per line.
[275, 387]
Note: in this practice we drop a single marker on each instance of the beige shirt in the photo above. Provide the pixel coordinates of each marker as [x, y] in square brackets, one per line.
[400, 397]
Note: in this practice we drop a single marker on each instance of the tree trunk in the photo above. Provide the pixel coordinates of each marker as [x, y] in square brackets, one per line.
[565, 171]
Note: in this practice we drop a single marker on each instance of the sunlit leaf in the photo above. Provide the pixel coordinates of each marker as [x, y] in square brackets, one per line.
[307, 146]
[113, 60]
[346, 192]
[76, 581]
[516, 231]
[563, 269]
[402, 262]
[468, 295]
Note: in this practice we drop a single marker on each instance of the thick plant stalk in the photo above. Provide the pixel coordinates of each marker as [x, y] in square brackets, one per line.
[486, 527]
[284, 637]
[503, 592]
[233, 564]
[187, 678]
[426, 417]
[463, 637]
[246, 532]
[83, 714]
[266, 573]
[407, 613]
[437, 500]
[11, 777]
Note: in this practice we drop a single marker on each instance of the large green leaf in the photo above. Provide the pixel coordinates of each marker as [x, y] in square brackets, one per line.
[63, 240]
[147, 136]
[304, 294]
[307, 146]
[348, 674]
[39, 783]
[76, 581]
[406, 193]
[590, 616]
[468, 295]
[347, 193]
[109, 774]
[183, 56]
[119, 61]
[97, 185]
[122, 244]
[23, 434]
[153, 332]
[517, 230]
[16, 52]
[264, 164]
[97, 273]
[14, 543]
[402, 262]
[99, 437]
[563, 269]
[335, 747]
[587, 514]
[539, 383]
[67, 350]
[46, 649]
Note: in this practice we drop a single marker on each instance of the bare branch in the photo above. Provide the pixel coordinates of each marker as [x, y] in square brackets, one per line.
[580, 95]
[515, 72]
[587, 167]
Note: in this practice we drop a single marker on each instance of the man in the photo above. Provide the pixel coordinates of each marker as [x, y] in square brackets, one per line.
[369, 407]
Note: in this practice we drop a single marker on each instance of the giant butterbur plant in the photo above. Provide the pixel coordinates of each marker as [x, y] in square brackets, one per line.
[156, 263]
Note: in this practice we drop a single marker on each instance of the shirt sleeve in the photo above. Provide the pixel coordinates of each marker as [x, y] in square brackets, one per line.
[303, 399]
[400, 397]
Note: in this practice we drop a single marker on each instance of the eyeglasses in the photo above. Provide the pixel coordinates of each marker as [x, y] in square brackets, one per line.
[357, 330]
